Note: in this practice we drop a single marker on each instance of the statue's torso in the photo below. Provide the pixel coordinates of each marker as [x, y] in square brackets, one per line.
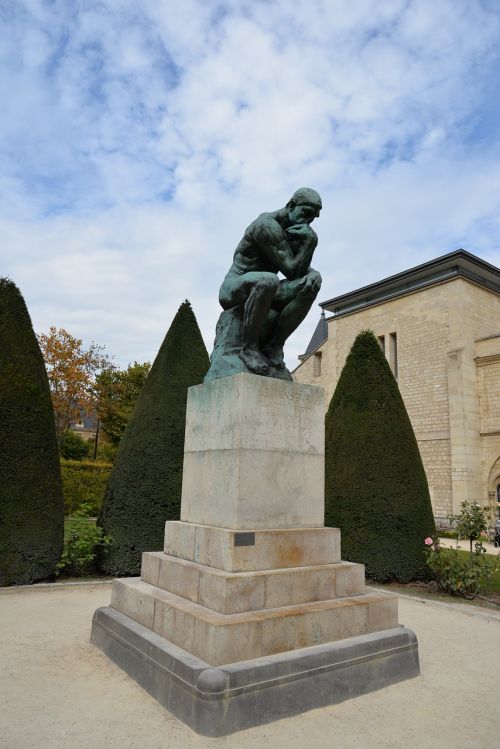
[250, 254]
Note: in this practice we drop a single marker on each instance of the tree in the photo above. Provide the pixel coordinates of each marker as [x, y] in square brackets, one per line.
[72, 370]
[375, 485]
[117, 391]
[73, 447]
[144, 488]
[31, 499]
[471, 522]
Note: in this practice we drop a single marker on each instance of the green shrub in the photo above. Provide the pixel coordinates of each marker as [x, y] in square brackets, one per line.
[73, 447]
[144, 488]
[84, 484]
[375, 486]
[471, 522]
[459, 575]
[106, 452]
[83, 540]
[31, 501]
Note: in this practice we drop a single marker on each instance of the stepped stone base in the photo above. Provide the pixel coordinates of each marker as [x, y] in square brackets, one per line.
[249, 614]
[220, 701]
[233, 593]
[223, 638]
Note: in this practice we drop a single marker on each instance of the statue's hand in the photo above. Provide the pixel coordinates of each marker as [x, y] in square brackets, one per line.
[302, 231]
[311, 283]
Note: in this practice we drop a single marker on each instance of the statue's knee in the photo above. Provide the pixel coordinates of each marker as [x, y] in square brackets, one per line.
[268, 281]
[308, 294]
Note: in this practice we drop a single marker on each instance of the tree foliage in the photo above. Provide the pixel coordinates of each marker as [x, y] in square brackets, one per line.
[117, 391]
[31, 501]
[472, 521]
[72, 371]
[73, 447]
[144, 489]
[84, 483]
[376, 487]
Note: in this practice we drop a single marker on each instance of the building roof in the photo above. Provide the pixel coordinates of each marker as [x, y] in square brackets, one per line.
[458, 264]
[318, 337]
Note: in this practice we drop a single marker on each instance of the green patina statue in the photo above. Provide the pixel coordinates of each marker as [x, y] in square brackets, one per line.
[260, 310]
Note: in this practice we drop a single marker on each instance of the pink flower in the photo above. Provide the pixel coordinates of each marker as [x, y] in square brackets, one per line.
[428, 541]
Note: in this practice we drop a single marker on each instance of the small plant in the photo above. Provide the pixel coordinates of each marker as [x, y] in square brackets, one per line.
[84, 540]
[456, 575]
[471, 522]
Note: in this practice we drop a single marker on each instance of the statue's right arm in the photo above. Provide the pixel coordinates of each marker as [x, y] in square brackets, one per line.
[269, 235]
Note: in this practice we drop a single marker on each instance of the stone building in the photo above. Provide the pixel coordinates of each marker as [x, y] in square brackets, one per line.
[439, 326]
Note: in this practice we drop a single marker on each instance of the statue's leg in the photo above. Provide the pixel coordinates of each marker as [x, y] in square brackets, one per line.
[256, 292]
[293, 302]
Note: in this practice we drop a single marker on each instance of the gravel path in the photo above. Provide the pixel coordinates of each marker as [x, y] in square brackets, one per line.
[59, 692]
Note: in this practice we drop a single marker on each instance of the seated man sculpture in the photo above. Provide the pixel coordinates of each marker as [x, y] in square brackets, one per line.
[260, 310]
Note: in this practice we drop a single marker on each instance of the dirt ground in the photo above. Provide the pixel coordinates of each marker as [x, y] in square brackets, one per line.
[59, 692]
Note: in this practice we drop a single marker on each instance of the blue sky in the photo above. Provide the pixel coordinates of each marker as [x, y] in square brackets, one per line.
[138, 139]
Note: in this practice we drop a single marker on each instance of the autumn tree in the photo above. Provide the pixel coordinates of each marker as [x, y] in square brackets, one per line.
[72, 370]
[117, 391]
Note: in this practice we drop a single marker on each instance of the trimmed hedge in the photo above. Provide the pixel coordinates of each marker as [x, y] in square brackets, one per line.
[84, 483]
[375, 485]
[31, 500]
[144, 489]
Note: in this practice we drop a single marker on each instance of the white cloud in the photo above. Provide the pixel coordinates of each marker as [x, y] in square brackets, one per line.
[140, 138]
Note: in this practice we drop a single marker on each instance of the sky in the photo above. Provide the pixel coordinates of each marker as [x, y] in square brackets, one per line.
[138, 139]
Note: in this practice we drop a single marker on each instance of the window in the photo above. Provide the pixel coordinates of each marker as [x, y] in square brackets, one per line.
[317, 364]
[393, 354]
[381, 340]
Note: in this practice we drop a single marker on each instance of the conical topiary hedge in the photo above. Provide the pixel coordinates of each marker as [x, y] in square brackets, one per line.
[144, 488]
[31, 499]
[375, 486]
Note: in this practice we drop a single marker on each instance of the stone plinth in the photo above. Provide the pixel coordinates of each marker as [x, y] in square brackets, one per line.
[216, 701]
[249, 614]
[254, 454]
[237, 551]
[232, 593]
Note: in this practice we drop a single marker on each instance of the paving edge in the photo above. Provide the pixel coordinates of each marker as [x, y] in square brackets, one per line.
[51, 586]
[491, 616]
[217, 701]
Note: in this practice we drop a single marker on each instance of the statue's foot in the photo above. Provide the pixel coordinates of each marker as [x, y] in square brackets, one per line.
[281, 373]
[255, 361]
[275, 357]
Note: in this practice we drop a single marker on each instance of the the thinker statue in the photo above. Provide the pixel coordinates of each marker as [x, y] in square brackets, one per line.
[260, 310]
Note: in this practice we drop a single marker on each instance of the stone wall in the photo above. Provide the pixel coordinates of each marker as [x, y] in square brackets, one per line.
[488, 386]
[437, 329]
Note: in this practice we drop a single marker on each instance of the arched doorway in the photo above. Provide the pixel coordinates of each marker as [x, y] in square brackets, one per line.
[494, 486]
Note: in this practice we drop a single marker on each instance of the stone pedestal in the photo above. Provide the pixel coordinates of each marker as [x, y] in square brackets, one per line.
[249, 614]
[254, 454]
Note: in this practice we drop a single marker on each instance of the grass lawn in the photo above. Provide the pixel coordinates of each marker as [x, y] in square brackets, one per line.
[70, 522]
[493, 587]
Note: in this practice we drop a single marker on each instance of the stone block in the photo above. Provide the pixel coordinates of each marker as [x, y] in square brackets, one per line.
[220, 701]
[134, 600]
[254, 454]
[236, 592]
[349, 580]
[221, 638]
[256, 549]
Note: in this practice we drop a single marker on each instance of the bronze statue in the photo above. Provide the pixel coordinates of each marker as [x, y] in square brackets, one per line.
[260, 310]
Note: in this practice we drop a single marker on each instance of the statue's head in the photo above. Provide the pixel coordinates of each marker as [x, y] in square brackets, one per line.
[304, 206]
